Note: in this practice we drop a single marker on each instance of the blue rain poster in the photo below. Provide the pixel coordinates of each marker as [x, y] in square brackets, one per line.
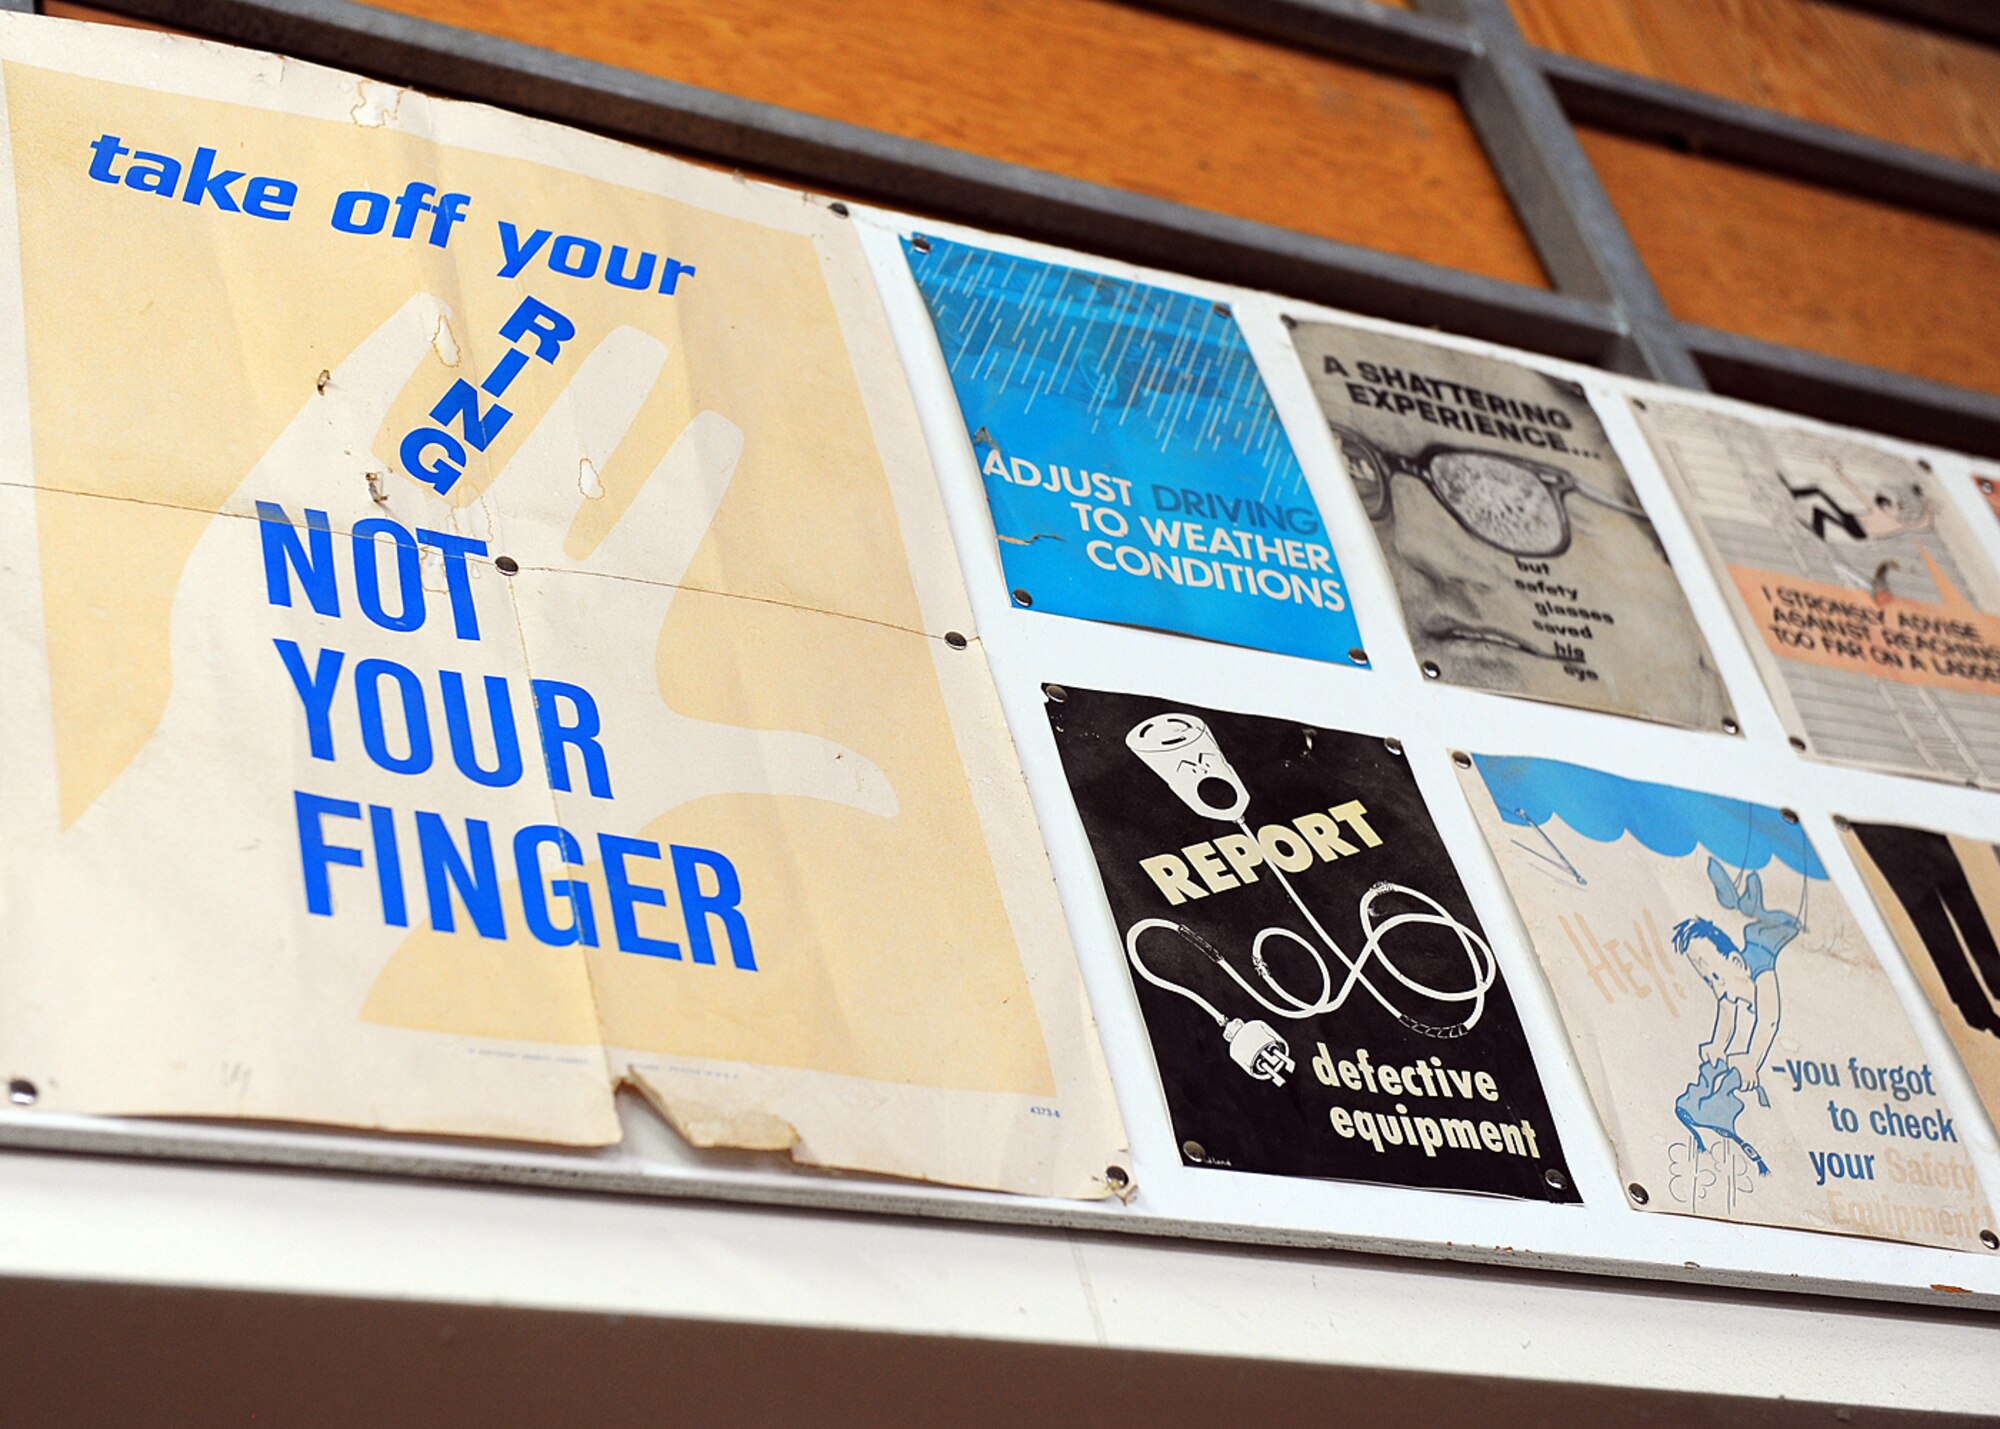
[1134, 464]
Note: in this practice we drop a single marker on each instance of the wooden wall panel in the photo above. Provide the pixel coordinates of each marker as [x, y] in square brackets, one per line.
[1808, 58]
[1089, 88]
[1782, 260]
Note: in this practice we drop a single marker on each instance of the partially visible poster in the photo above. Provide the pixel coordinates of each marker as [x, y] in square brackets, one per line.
[1741, 1042]
[1320, 997]
[474, 614]
[1989, 489]
[1133, 462]
[1941, 896]
[1522, 557]
[1871, 612]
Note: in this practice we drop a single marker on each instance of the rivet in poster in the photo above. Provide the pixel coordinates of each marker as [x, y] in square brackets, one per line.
[1840, 822]
[920, 243]
[507, 566]
[1022, 598]
[1289, 321]
[1638, 1194]
[1117, 1177]
[1222, 310]
[1554, 1179]
[1989, 1240]
[1791, 816]
[1056, 693]
[1730, 726]
[1431, 670]
[1194, 1151]
[1393, 745]
[1358, 655]
[955, 640]
[1797, 743]
[838, 207]
[22, 1092]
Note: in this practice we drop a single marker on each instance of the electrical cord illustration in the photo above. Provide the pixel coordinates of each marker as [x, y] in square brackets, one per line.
[1182, 750]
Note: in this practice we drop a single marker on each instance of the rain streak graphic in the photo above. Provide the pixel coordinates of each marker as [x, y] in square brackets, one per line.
[1125, 352]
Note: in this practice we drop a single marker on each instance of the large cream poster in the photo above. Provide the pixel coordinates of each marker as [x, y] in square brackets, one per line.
[473, 631]
[1743, 1046]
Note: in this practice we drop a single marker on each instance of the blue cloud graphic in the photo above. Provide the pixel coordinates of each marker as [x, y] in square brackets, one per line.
[1665, 819]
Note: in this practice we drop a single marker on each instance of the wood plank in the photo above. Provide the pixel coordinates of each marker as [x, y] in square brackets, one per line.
[1826, 62]
[1782, 260]
[1089, 88]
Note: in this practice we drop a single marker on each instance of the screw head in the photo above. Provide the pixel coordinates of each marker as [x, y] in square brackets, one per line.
[1022, 598]
[1461, 759]
[920, 243]
[22, 1092]
[1730, 726]
[1055, 694]
[1358, 655]
[1194, 1151]
[1431, 670]
[955, 640]
[1554, 1179]
[1393, 745]
[1117, 1177]
[1638, 1194]
[507, 565]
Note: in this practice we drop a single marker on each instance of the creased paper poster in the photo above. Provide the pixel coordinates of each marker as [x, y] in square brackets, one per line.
[1941, 896]
[1743, 1046]
[1133, 462]
[1320, 997]
[1522, 557]
[474, 610]
[1869, 609]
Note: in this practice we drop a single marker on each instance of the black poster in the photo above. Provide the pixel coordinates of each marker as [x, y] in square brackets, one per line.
[1320, 997]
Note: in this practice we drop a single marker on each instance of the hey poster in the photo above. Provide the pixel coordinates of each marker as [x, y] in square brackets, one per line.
[1743, 1046]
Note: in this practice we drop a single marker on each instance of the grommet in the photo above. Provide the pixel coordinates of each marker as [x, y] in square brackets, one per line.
[1790, 816]
[920, 243]
[1055, 694]
[1431, 670]
[1730, 726]
[1554, 1179]
[22, 1092]
[1638, 1194]
[838, 207]
[1358, 655]
[1797, 743]
[1393, 745]
[507, 565]
[1194, 1151]
[1021, 597]
[1117, 1177]
[1461, 759]
[955, 640]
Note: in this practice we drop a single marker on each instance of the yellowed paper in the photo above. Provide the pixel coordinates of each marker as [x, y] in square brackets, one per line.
[473, 603]
[1742, 1045]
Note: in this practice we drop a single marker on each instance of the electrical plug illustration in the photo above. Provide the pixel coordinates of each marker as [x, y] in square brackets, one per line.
[1257, 1048]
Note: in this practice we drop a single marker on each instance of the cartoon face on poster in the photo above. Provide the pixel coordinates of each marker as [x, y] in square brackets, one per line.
[1522, 557]
[1743, 1046]
[1319, 995]
[1868, 606]
[1134, 464]
[1941, 896]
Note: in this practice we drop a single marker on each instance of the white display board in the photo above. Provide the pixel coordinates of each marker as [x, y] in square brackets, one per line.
[1028, 650]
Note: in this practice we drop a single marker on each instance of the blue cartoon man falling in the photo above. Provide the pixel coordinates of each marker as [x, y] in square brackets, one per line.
[1744, 982]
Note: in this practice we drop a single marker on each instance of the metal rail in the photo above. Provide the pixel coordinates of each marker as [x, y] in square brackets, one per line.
[1523, 102]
